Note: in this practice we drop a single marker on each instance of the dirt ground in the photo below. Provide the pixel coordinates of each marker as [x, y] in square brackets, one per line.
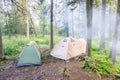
[49, 70]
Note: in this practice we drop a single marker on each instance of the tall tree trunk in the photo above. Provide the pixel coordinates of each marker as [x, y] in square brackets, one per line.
[27, 20]
[115, 40]
[89, 5]
[79, 18]
[110, 29]
[6, 14]
[51, 25]
[44, 25]
[110, 26]
[72, 24]
[1, 48]
[32, 24]
[66, 18]
[7, 25]
[102, 39]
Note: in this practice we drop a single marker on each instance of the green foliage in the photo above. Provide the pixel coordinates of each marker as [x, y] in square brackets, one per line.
[88, 68]
[72, 2]
[112, 4]
[96, 48]
[116, 66]
[97, 3]
[65, 72]
[12, 47]
[99, 60]
[63, 32]
[57, 39]
[101, 63]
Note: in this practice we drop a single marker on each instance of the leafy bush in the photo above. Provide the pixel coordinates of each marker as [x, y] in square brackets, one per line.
[116, 67]
[88, 68]
[10, 49]
[21, 42]
[101, 63]
[13, 46]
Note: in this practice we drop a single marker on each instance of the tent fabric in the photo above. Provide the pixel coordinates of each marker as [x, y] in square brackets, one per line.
[30, 56]
[68, 48]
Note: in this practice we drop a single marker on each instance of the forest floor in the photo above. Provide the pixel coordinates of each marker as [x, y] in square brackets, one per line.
[49, 70]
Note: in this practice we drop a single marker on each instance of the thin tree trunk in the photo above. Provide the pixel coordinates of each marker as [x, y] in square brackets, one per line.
[32, 24]
[110, 27]
[89, 5]
[72, 25]
[66, 18]
[89, 25]
[27, 28]
[115, 40]
[7, 25]
[102, 39]
[44, 25]
[27, 19]
[6, 13]
[51, 25]
[1, 47]
[110, 21]
[79, 18]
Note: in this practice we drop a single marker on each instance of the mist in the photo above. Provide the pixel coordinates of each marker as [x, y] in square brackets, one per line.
[77, 22]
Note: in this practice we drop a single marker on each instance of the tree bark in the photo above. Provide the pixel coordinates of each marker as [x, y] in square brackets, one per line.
[66, 18]
[1, 47]
[110, 21]
[89, 5]
[51, 25]
[32, 24]
[7, 15]
[72, 24]
[115, 40]
[102, 39]
[27, 20]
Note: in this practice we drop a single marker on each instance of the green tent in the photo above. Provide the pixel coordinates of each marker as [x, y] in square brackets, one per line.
[30, 56]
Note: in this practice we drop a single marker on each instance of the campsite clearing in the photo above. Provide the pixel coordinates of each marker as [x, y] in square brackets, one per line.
[49, 70]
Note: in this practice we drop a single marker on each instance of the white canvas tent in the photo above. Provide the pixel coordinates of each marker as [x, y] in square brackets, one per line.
[68, 48]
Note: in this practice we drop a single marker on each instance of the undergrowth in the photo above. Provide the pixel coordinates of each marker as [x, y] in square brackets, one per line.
[13, 46]
[100, 61]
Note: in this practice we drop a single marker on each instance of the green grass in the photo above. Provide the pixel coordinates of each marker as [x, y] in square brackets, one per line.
[102, 64]
[13, 46]
[100, 61]
[96, 47]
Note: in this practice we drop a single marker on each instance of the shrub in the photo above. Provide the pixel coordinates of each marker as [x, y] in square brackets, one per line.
[11, 50]
[102, 64]
[13, 46]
